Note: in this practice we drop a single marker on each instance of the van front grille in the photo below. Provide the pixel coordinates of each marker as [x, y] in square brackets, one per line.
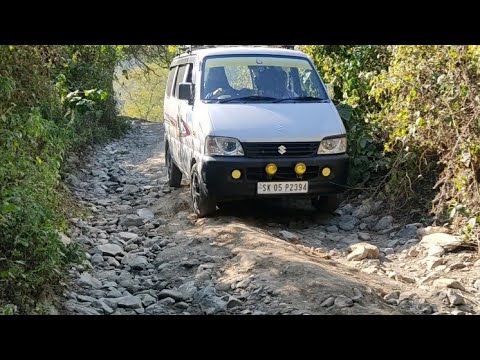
[286, 150]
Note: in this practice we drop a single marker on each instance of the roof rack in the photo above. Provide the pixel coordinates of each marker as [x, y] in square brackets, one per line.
[189, 48]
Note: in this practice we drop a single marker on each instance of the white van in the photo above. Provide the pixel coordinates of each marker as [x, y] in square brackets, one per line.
[252, 122]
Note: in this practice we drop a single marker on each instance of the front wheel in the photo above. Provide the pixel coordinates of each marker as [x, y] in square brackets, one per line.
[202, 205]
[173, 172]
[328, 203]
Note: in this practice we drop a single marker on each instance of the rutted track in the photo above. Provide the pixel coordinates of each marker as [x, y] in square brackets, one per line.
[148, 254]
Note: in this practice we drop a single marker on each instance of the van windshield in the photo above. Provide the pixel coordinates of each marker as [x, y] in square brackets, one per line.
[251, 78]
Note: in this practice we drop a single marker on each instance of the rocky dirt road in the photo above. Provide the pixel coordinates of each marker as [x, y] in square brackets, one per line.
[148, 254]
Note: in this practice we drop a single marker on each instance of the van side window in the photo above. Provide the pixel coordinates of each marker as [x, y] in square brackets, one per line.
[190, 73]
[180, 78]
[171, 77]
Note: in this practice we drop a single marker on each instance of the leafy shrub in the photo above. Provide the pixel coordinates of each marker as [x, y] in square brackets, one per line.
[349, 69]
[413, 116]
[53, 100]
[141, 91]
[430, 116]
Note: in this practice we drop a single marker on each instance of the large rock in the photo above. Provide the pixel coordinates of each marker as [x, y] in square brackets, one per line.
[342, 301]
[476, 284]
[448, 283]
[392, 295]
[112, 261]
[127, 236]
[332, 228]
[88, 281]
[100, 174]
[287, 235]
[96, 259]
[102, 306]
[431, 230]
[130, 189]
[347, 222]
[384, 223]
[407, 295]
[131, 220]
[114, 293]
[362, 251]
[362, 211]
[146, 214]
[136, 262]
[435, 250]
[174, 294]
[209, 301]
[168, 301]
[85, 298]
[84, 310]
[233, 302]
[189, 289]
[328, 302]
[408, 232]
[455, 297]
[130, 302]
[446, 241]
[433, 261]
[364, 236]
[110, 249]
[147, 300]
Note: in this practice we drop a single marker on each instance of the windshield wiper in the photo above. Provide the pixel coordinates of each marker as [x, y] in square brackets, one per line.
[251, 97]
[302, 98]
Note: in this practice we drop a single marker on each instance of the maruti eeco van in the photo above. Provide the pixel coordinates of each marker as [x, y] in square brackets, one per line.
[251, 122]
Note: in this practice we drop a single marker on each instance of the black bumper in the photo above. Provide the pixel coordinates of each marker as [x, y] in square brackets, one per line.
[219, 184]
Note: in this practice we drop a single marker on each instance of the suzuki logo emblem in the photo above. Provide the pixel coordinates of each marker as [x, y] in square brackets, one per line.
[282, 149]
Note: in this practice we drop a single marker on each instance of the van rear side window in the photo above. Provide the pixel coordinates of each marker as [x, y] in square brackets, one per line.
[171, 77]
[180, 77]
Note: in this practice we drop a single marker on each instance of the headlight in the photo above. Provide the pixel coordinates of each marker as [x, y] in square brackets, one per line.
[223, 146]
[333, 146]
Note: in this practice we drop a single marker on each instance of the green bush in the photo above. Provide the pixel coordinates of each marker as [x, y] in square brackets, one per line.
[430, 124]
[412, 113]
[141, 91]
[53, 100]
[350, 70]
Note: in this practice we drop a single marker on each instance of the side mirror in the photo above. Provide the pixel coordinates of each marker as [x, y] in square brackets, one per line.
[185, 92]
[330, 91]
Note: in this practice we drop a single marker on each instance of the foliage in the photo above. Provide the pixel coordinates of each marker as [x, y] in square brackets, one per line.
[53, 100]
[349, 69]
[140, 92]
[147, 55]
[413, 118]
[431, 125]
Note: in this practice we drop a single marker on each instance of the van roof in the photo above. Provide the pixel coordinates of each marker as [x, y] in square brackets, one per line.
[241, 50]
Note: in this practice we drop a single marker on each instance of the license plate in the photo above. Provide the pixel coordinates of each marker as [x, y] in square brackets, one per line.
[283, 187]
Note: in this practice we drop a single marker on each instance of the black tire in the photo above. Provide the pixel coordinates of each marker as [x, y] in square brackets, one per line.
[173, 172]
[328, 203]
[202, 205]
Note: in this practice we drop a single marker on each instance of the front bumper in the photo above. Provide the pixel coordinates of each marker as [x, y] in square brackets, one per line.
[219, 184]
